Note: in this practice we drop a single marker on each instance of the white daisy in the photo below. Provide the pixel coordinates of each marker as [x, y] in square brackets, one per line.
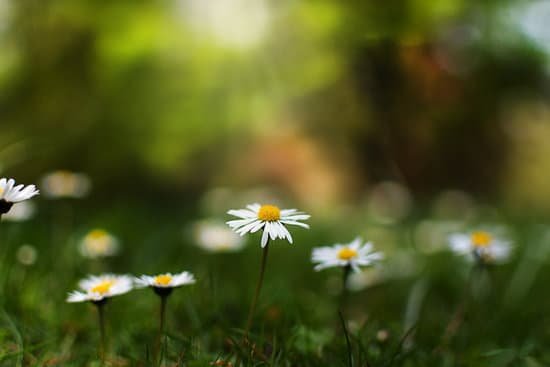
[353, 255]
[98, 243]
[213, 236]
[166, 280]
[66, 184]
[98, 288]
[481, 245]
[269, 218]
[10, 194]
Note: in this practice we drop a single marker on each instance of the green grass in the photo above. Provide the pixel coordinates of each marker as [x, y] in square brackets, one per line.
[297, 324]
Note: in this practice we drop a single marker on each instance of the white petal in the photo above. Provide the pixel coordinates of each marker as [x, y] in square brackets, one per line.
[254, 207]
[239, 222]
[285, 232]
[287, 212]
[242, 213]
[294, 223]
[247, 228]
[265, 236]
[259, 225]
[460, 243]
[296, 217]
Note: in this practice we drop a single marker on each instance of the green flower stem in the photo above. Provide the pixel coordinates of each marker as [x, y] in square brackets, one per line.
[163, 293]
[343, 301]
[257, 292]
[162, 320]
[344, 294]
[103, 338]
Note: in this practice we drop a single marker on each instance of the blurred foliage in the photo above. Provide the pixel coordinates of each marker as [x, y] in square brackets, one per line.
[417, 91]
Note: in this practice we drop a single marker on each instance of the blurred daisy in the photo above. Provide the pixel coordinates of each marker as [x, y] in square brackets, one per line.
[213, 236]
[483, 246]
[20, 212]
[10, 194]
[66, 184]
[99, 288]
[164, 283]
[98, 243]
[352, 255]
[269, 218]
[26, 254]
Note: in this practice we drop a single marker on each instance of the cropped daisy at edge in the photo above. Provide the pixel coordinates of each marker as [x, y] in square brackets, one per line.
[481, 245]
[268, 217]
[354, 255]
[10, 194]
[96, 288]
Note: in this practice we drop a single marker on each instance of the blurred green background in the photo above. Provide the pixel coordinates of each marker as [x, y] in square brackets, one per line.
[397, 120]
[317, 97]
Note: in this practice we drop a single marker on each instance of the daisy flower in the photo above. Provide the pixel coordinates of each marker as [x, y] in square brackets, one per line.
[268, 217]
[483, 246]
[213, 236]
[66, 184]
[164, 283]
[352, 255]
[98, 243]
[10, 194]
[98, 289]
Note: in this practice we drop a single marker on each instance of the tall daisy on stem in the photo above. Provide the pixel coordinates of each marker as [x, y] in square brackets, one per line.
[163, 285]
[272, 221]
[97, 290]
[11, 194]
[484, 248]
[350, 257]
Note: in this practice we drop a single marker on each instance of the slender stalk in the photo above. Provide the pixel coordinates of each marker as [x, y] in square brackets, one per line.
[343, 300]
[348, 342]
[163, 301]
[252, 310]
[457, 318]
[344, 293]
[103, 339]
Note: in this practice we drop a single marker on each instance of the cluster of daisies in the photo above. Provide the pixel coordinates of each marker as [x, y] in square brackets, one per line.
[482, 246]
[97, 289]
[273, 221]
[486, 246]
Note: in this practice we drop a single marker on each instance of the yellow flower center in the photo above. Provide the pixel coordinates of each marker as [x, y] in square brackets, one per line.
[481, 239]
[269, 213]
[103, 287]
[1, 190]
[164, 279]
[347, 253]
[97, 233]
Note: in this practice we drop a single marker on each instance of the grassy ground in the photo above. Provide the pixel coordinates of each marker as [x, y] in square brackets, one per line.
[425, 309]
